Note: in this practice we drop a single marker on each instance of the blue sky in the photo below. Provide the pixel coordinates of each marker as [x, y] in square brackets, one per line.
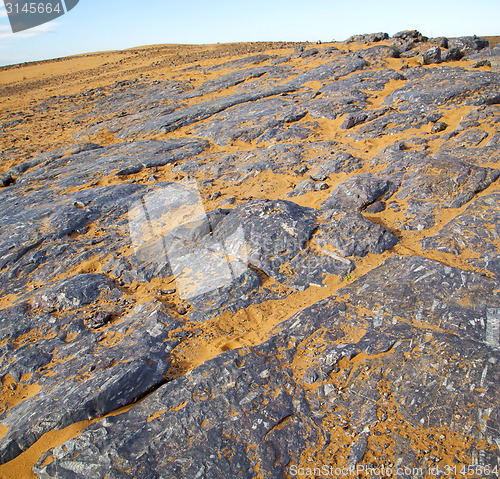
[112, 25]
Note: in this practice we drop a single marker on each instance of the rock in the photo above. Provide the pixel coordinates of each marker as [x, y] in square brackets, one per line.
[467, 45]
[72, 293]
[440, 41]
[432, 55]
[368, 37]
[108, 371]
[356, 192]
[303, 187]
[6, 180]
[351, 234]
[331, 70]
[100, 318]
[468, 232]
[439, 126]
[454, 183]
[402, 46]
[193, 114]
[325, 332]
[319, 177]
[379, 52]
[376, 207]
[410, 35]
[481, 63]
[321, 186]
[451, 55]
[309, 53]
[443, 85]
[353, 119]
[260, 120]
[256, 403]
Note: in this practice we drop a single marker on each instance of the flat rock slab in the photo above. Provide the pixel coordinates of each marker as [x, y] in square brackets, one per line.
[79, 372]
[239, 185]
[425, 183]
[265, 406]
[474, 234]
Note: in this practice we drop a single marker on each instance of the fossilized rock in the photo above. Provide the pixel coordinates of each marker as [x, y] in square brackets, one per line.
[261, 402]
[290, 255]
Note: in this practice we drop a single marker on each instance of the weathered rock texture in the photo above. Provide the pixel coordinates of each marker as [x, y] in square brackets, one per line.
[287, 258]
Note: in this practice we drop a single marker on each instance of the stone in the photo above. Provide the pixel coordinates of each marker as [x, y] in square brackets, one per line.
[300, 268]
[440, 41]
[100, 318]
[468, 232]
[356, 193]
[6, 180]
[481, 63]
[263, 407]
[106, 376]
[368, 37]
[468, 45]
[439, 126]
[432, 55]
[413, 35]
[451, 55]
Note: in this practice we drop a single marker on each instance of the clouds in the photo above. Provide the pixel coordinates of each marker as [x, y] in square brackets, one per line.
[6, 31]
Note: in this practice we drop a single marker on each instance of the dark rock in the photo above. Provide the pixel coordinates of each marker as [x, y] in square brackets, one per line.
[445, 85]
[412, 35]
[453, 54]
[309, 53]
[106, 375]
[368, 37]
[428, 184]
[439, 126]
[402, 46]
[356, 192]
[376, 207]
[408, 54]
[351, 234]
[353, 119]
[193, 114]
[332, 70]
[319, 176]
[261, 120]
[409, 350]
[321, 186]
[72, 293]
[228, 201]
[303, 187]
[440, 41]
[254, 403]
[467, 45]
[432, 55]
[226, 81]
[378, 52]
[481, 63]
[475, 230]
[242, 62]
[100, 318]
[6, 180]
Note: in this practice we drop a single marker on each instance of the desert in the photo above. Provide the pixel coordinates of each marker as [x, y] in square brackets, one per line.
[252, 260]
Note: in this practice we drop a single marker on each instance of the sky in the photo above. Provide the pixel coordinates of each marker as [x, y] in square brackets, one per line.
[101, 25]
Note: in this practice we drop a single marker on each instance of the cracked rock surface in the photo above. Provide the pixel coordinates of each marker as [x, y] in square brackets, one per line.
[227, 262]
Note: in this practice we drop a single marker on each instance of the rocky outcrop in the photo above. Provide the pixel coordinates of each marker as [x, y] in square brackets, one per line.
[282, 259]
